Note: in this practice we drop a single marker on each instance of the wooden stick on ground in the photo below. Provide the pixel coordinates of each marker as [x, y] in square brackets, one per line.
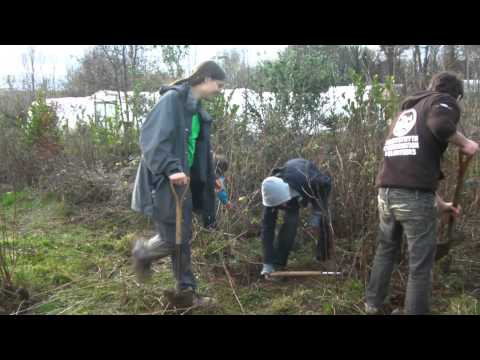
[231, 285]
[303, 273]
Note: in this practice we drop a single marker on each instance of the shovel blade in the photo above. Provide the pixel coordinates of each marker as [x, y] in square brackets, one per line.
[456, 238]
[180, 299]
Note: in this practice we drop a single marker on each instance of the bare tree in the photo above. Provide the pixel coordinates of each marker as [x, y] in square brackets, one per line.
[10, 80]
[117, 55]
[424, 63]
[172, 56]
[29, 81]
[235, 67]
[450, 57]
[392, 54]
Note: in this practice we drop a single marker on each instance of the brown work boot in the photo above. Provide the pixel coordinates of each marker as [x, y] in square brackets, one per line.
[187, 298]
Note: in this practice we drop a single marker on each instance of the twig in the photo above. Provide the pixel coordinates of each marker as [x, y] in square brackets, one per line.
[165, 309]
[70, 307]
[37, 305]
[161, 312]
[231, 285]
[116, 267]
[59, 287]
[466, 260]
[359, 309]
[188, 309]
[19, 307]
[247, 260]
[401, 276]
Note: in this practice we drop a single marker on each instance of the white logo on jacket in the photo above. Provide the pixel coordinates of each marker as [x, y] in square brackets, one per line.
[400, 144]
[406, 121]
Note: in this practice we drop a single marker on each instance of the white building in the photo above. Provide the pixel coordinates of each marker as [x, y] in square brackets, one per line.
[104, 103]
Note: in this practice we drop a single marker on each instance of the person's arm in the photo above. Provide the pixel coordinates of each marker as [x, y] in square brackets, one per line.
[443, 118]
[467, 146]
[323, 187]
[157, 143]
[446, 206]
[222, 193]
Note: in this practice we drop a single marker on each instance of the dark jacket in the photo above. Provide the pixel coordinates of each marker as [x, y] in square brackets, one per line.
[163, 142]
[303, 176]
[417, 140]
[314, 187]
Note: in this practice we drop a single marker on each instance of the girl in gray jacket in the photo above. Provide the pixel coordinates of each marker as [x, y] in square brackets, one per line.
[175, 145]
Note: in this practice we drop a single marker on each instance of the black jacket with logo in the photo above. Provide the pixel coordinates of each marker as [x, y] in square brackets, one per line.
[417, 140]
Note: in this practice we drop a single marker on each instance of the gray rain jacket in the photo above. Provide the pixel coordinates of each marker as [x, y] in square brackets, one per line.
[163, 143]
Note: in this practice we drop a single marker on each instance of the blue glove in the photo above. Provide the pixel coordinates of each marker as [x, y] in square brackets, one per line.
[222, 196]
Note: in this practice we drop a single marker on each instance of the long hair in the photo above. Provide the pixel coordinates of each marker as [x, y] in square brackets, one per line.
[207, 69]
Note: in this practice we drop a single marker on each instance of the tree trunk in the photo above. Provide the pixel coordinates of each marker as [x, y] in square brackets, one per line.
[450, 58]
[125, 80]
[467, 58]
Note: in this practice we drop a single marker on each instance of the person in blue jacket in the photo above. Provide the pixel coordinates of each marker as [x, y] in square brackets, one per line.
[221, 167]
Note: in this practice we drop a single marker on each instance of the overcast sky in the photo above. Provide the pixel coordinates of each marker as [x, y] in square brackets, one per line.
[56, 59]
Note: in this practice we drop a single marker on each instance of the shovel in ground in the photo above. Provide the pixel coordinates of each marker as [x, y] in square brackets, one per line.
[179, 298]
[454, 236]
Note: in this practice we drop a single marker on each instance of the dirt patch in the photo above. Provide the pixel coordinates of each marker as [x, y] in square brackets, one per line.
[13, 300]
[243, 273]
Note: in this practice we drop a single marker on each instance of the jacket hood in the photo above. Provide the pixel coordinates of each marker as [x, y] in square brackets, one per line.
[414, 99]
[191, 103]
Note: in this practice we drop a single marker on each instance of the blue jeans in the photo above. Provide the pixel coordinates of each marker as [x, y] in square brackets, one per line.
[414, 214]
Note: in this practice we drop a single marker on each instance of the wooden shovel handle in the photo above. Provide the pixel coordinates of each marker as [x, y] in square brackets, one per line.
[303, 273]
[179, 199]
[179, 210]
[463, 162]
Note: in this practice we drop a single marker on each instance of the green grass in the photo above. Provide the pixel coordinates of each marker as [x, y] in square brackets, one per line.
[74, 269]
[463, 304]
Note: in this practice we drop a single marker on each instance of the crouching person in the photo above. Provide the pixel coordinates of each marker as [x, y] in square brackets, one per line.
[298, 183]
[175, 146]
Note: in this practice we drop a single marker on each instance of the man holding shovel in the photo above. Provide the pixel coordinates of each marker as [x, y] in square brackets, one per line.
[176, 174]
[407, 182]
